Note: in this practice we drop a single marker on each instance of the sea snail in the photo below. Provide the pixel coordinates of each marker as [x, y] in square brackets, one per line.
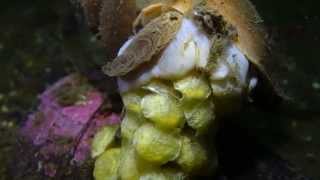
[187, 65]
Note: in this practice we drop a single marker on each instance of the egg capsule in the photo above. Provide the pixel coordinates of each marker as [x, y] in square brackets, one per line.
[163, 110]
[128, 169]
[130, 123]
[107, 165]
[192, 157]
[132, 100]
[193, 88]
[155, 145]
[165, 174]
[103, 139]
[161, 87]
[199, 117]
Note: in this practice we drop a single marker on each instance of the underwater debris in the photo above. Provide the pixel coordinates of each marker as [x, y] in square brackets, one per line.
[316, 85]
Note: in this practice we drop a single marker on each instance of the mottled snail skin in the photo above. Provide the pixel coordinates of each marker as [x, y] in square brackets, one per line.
[213, 24]
[147, 43]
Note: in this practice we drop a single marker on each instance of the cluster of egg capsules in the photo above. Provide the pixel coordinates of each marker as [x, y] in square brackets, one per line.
[164, 133]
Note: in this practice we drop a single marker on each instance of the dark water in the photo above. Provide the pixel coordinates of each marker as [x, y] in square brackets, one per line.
[296, 26]
[41, 41]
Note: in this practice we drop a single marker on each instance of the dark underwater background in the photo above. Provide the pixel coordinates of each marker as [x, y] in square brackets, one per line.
[42, 41]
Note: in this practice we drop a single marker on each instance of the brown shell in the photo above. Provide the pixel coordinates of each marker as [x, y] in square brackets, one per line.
[91, 10]
[154, 10]
[252, 41]
[116, 19]
[111, 20]
[251, 37]
[149, 13]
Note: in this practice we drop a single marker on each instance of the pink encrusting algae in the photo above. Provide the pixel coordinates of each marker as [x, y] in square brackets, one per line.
[66, 130]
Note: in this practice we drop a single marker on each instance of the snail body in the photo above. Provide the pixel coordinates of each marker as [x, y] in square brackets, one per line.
[194, 69]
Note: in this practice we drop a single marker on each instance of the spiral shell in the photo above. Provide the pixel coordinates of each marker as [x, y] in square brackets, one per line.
[251, 39]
